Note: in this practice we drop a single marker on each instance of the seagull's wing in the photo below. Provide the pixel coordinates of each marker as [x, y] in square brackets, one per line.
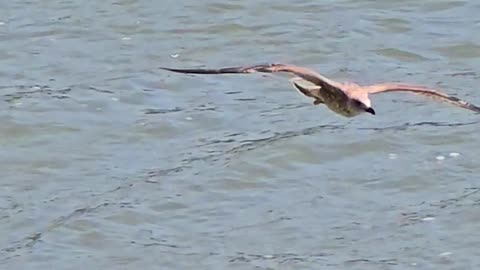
[434, 94]
[329, 86]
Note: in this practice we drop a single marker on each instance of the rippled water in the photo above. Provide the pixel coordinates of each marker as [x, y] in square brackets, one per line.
[110, 163]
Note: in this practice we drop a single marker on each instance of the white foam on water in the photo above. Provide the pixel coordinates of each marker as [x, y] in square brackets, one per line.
[454, 154]
[443, 254]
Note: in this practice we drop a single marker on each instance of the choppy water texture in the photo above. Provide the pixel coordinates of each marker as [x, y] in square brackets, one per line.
[109, 163]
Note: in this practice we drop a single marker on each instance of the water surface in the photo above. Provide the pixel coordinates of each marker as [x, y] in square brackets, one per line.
[110, 163]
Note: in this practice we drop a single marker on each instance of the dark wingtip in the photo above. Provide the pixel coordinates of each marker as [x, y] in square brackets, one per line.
[474, 108]
[470, 107]
[464, 104]
[207, 71]
[172, 69]
[182, 70]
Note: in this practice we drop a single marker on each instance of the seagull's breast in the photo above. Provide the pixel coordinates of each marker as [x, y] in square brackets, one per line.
[339, 104]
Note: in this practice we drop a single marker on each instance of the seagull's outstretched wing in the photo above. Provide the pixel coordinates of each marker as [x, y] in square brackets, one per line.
[327, 85]
[434, 94]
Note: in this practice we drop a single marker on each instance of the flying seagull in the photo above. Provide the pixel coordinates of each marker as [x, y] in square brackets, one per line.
[347, 99]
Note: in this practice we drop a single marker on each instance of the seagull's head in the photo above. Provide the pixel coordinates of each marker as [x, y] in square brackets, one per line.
[362, 104]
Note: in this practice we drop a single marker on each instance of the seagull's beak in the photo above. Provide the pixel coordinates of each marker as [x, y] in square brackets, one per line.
[370, 110]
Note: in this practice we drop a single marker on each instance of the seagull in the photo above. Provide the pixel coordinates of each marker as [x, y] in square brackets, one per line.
[345, 98]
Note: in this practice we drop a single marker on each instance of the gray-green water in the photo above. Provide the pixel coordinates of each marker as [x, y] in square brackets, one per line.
[108, 163]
